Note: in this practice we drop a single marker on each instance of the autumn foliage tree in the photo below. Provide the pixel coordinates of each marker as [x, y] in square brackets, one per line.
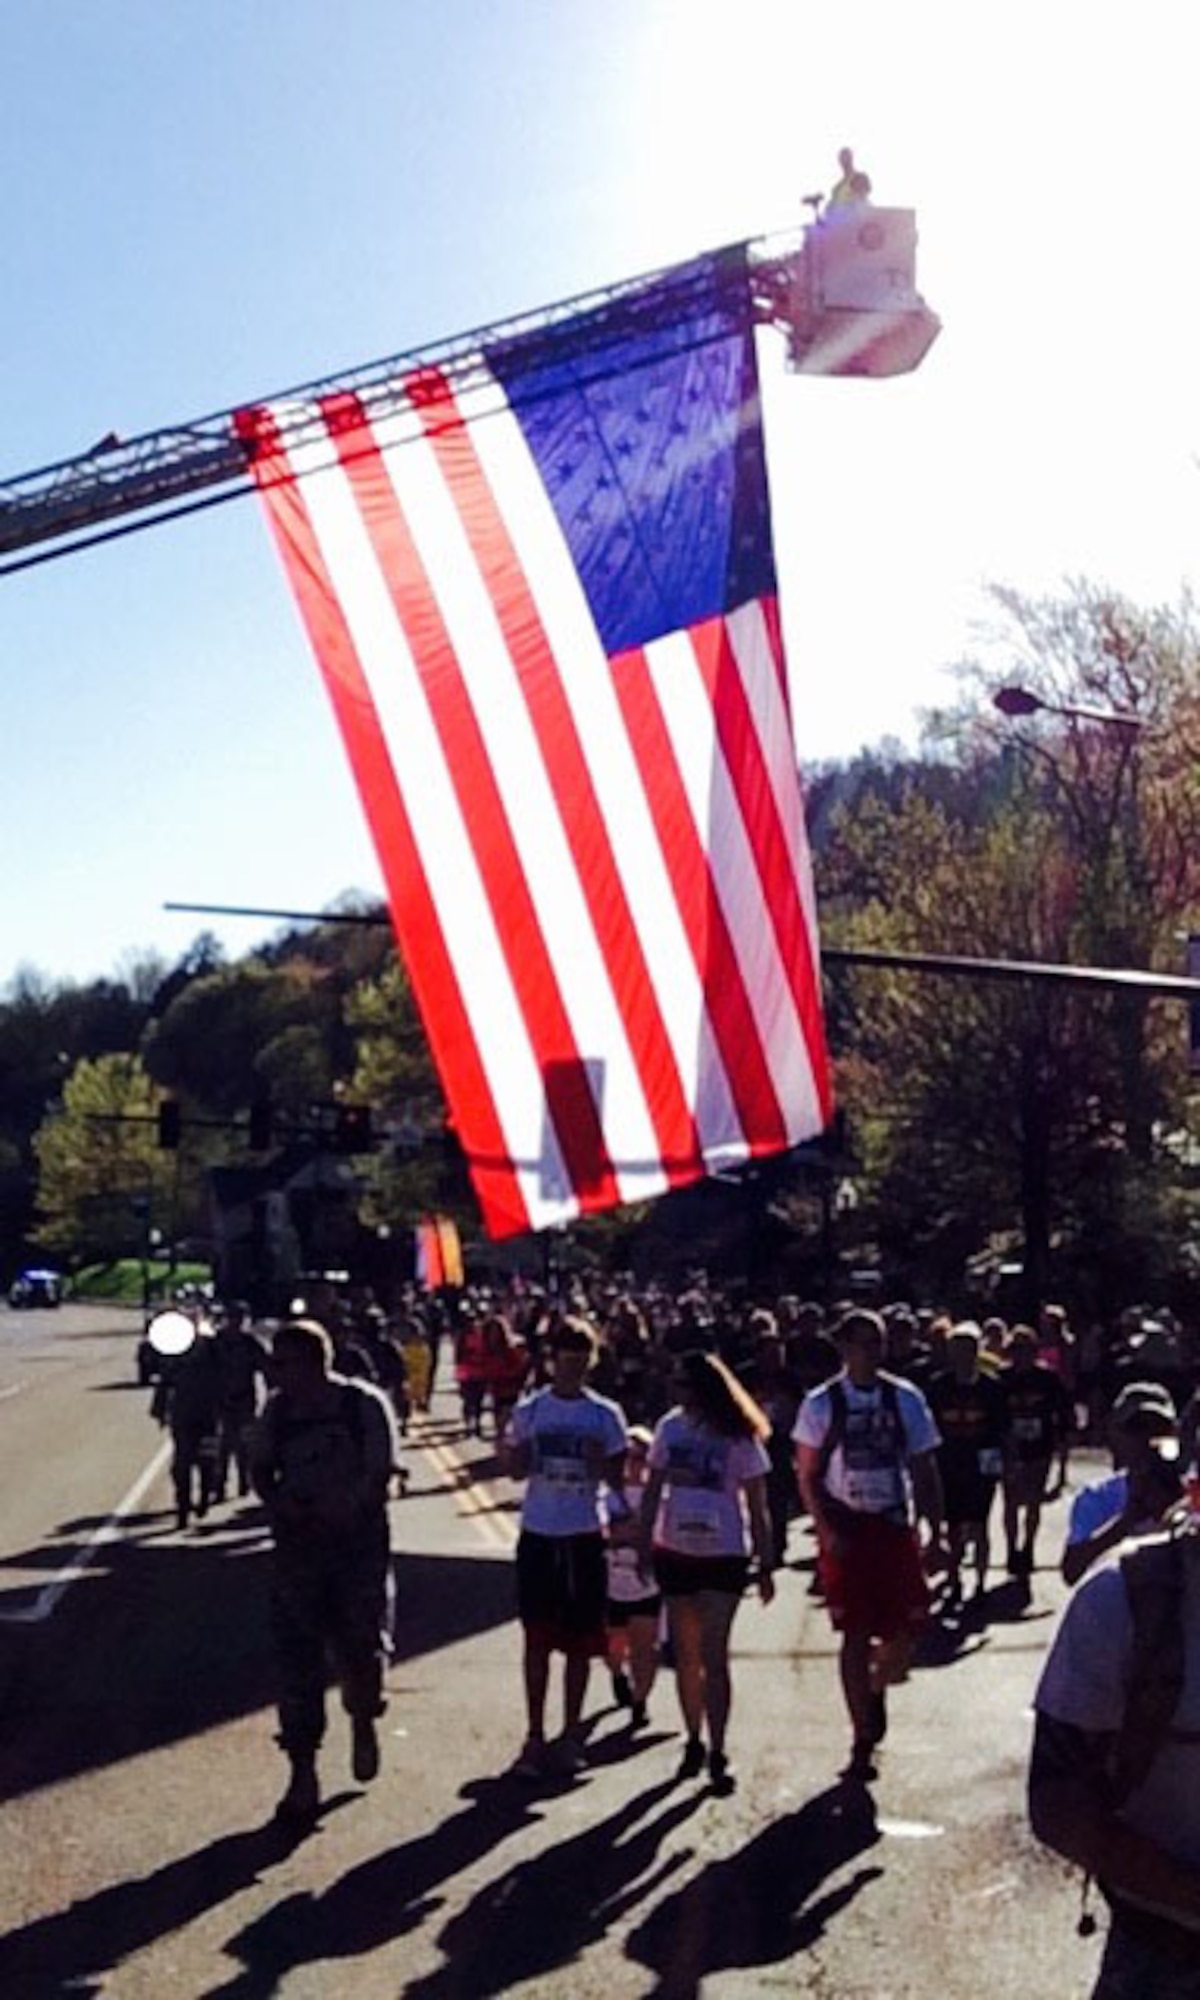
[1037, 1110]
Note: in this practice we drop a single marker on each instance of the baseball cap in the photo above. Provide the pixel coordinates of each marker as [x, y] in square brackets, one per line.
[1144, 1400]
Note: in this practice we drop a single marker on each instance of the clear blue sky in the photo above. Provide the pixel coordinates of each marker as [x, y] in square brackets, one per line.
[210, 200]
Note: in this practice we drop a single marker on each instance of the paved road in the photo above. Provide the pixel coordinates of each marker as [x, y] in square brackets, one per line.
[138, 1771]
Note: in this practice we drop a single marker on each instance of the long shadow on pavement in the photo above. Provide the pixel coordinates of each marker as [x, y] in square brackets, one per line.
[162, 1638]
[381, 1900]
[75, 1950]
[759, 1906]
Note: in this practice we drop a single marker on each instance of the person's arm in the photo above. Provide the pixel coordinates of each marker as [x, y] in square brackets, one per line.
[515, 1448]
[1064, 1418]
[260, 1449]
[761, 1535]
[649, 1515]
[810, 1478]
[380, 1449]
[927, 1496]
[1069, 1811]
[1084, 1550]
[612, 1473]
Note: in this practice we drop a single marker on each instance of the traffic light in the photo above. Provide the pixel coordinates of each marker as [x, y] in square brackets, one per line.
[352, 1129]
[261, 1123]
[170, 1124]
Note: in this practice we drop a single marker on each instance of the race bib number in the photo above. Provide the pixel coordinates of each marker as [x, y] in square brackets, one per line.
[991, 1462]
[873, 1490]
[1027, 1430]
[694, 1521]
[563, 1472]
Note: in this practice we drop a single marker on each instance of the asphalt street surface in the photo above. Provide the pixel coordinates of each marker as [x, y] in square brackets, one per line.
[138, 1771]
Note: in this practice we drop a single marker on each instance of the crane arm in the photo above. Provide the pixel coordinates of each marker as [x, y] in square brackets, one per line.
[160, 475]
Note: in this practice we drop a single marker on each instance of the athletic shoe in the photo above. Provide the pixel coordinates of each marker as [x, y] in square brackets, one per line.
[692, 1762]
[638, 1716]
[364, 1749]
[532, 1761]
[569, 1755]
[622, 1692]
[720, 1775]
[862, 1761]
[301, 1802]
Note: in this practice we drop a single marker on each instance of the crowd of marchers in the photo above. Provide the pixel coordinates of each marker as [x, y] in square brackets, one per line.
[667, 1442]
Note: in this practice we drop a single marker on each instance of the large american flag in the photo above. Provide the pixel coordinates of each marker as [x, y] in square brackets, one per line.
[540, 585]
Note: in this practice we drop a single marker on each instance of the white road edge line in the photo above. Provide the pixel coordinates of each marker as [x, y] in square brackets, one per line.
[77, 1565]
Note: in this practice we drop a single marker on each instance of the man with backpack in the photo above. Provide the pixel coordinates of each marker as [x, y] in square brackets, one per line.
[1114, 1780]
[321, 1459]
[866, 1461]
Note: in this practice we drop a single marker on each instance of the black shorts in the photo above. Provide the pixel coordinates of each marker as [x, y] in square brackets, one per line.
[968, 1497]
[562, 1589]
[621, 1610]
[684, 1576]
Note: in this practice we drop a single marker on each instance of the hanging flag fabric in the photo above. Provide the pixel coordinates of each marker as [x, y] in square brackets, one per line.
[541, 589]
[438, 1259]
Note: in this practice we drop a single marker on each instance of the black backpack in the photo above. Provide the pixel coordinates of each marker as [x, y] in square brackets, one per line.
[1153, 1574]
[839, 1413]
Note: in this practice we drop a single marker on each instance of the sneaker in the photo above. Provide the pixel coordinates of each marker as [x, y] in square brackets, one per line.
[364, 1749]
[301, 1802]
[692, 1761]
[532, 1761]
[638, 1715]
[720, 1775]
[570, 1755]
[862, 1761]
[622, 1692]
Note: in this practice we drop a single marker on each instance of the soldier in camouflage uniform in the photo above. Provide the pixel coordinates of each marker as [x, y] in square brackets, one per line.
[322, 1454]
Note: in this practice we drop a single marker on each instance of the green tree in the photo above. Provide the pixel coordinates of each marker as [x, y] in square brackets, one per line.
[416, 1169]
[1033, 1109]
[101, 1176]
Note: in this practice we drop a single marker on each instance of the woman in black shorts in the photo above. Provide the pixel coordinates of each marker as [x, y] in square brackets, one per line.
[705, 1507]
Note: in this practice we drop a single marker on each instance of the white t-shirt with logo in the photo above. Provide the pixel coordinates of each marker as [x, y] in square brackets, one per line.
[566, 1435]
[703, 1510]
[865, 1472]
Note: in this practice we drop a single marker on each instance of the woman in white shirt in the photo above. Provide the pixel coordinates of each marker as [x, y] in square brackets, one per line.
[705, 1508]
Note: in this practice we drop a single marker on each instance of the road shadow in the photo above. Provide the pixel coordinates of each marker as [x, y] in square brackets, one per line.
[165, 1636]
[75, 1950]
[381, 1900]
[760, 1906]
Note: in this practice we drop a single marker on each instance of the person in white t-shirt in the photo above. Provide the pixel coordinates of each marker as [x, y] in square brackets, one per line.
[1114, 1776]
[569, 1446]
[705, 1507]
[866, 1446]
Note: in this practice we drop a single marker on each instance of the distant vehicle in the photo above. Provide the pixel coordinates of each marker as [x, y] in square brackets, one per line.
[36, 1287]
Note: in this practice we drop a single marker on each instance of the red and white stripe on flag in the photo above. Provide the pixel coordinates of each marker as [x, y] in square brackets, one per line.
[596, 866]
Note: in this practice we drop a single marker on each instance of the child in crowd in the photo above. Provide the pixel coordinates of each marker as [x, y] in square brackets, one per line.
[634, 1602]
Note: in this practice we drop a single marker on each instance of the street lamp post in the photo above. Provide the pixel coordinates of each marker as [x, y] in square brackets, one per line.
[1020, 701]
[1017, 702]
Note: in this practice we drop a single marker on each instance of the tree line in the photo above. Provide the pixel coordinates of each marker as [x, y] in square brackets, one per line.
[1033, 1124]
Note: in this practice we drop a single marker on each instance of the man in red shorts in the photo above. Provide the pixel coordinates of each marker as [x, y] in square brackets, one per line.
[865, 1444]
